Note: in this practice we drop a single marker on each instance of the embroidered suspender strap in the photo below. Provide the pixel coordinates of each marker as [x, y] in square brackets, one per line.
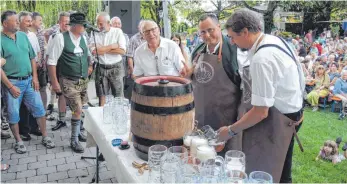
[220, 50]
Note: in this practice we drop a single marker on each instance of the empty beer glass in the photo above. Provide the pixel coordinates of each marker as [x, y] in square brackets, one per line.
[156, 154]
[235, 160]
[260, 177]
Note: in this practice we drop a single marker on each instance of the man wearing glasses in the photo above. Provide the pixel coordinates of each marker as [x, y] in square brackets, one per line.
[157, 56]
[215, 71]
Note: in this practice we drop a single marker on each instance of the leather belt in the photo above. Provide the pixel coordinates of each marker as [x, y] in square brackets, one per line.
[19, 78]
[108, 66]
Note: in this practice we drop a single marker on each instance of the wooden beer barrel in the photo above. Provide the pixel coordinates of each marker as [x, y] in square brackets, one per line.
[162, 111]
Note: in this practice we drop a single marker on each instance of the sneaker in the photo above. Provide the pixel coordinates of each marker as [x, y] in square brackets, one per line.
[20, 147]
[77, 147]
[5, 126]
[341, 117]
[25, 137]
[314, 109]
[48, 143]
[5, 135]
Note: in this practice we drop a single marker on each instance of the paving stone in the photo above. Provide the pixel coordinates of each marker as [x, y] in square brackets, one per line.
[83, 164]
[69, 180]
[11, 162]
[37, 179]
[77, 172]
[46, 157]
[37, 165]
[26, 174]
[27, 160]
[106, 181]
[114, 180]
[47, 170]
[7, 146]
[73, 159]
[86, 179]
[6, 156]
[8, 151]
[63, 154]
[9, 141]
[62, 143]
[31, 147]
[57, 176]
[92, 170]
[16, 155]
[35, 142]
[106, 175]
[58, 161]
[17, 168]
[55, 150]
[8, 176]
[37, 152]
[40, 147]
[66, 167]
[22, 180]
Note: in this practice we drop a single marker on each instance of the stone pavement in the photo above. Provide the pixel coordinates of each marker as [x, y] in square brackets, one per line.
[57, 165]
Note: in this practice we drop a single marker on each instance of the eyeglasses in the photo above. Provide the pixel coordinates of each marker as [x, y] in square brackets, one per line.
[209, 31]
[147, 32]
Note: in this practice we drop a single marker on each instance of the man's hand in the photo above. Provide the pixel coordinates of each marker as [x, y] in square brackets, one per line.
[56, 88]
[90, 70]
[36, 85]
[223, 134]
[15, 92]
[130, 70]
[184, 70]
[3, 61]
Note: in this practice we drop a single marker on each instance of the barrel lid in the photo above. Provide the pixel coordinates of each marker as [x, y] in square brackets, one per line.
[162, 81]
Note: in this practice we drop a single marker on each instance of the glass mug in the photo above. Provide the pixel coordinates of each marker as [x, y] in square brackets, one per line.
[260, 177]
[212, 170]
[156, 154]
[235, 160]
[191, 170]
[235, 176]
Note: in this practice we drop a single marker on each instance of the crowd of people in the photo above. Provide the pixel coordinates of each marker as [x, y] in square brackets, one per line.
[254, 77]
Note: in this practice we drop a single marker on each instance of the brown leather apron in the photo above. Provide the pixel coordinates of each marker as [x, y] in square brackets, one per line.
[265, 144]
[215, 98]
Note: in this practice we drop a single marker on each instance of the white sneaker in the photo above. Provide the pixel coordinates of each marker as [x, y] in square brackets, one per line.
[314, 109]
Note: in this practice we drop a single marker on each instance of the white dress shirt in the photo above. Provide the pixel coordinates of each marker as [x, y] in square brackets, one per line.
[276, 78]
[57, 46]
[34, 43]
[114, 35]
[167, 59]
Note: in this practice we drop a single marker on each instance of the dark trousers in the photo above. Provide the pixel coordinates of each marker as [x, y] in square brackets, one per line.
[286, 176]
[27, 122]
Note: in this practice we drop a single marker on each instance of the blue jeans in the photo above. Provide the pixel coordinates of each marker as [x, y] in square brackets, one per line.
[28, 95]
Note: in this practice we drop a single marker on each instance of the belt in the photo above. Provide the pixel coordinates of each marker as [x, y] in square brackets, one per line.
[19, 78]
[74, 78]
[108, 66]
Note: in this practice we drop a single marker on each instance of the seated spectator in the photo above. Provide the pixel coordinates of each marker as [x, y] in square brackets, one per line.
[340, 90]
[333, 74]
[321, 89]
[324, 61]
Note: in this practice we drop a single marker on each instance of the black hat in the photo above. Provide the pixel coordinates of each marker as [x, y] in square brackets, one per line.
[78, 18]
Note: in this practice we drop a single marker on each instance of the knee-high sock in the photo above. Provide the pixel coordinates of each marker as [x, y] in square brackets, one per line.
[75, 129]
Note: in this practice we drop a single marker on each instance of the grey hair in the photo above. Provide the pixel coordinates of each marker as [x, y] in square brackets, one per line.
[63, 14]
[116, 17]
[144, 22]
[104, 14]
[212, 16]
[245, 18]
[343, 72]
[23, 14]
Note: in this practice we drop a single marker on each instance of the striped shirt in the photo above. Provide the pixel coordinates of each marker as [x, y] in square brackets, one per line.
[41, 39]
[134, 42]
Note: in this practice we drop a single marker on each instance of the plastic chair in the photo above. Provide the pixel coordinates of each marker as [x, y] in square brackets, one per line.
[336, 100]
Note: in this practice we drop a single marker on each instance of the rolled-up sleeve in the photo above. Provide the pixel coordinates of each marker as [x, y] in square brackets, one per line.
[121, 40]
[263, 88]
[56, 48]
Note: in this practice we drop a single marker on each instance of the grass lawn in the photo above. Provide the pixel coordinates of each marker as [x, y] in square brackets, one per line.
[317, 128]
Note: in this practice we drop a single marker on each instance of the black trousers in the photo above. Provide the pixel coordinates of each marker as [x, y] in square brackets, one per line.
[27, 122]
[286, 176]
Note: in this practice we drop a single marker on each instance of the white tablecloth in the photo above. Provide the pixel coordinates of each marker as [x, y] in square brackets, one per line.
[120, 161]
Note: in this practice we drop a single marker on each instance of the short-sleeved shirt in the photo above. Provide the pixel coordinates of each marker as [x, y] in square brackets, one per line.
[41, 39]
[275, 77]
[167, 59]
[114, 35]
[18, 54]
[34, 43]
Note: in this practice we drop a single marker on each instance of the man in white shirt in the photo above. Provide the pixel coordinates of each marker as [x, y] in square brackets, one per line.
[110, 47]
[276, 100]
[157, 56]
[70, 52]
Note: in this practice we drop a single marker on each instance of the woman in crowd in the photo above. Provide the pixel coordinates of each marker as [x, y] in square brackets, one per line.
[334, 74]
[322, 83]
[185, 51]
[340, 90]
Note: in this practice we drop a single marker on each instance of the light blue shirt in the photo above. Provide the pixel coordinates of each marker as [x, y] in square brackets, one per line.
[340, 87]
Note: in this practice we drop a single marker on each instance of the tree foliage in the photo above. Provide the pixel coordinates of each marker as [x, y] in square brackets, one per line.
[51, 9]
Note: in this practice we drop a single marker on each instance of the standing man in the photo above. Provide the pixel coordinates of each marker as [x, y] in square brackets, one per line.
[63, 22]
[27, 123]
[110, 45]
[215, 71]
[19, 79]
[157, 56]
[272, 98]
[71, 54]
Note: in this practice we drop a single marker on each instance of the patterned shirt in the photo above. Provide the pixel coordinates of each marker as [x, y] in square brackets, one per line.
[41, 39]
[134, 42]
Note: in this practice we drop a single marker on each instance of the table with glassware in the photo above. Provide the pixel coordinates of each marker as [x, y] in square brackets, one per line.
[164, 133]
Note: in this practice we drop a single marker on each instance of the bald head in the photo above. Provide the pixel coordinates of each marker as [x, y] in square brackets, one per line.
[116, 22]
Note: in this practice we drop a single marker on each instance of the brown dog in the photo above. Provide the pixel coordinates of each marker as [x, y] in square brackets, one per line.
[329, 152]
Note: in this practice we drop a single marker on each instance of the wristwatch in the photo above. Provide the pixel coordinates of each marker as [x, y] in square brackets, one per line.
[230, 132]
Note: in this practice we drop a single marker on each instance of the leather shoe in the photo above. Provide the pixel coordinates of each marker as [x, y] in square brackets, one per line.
[82, 138]
[59, 125]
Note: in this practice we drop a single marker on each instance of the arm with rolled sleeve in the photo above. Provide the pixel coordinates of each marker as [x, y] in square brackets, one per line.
[55, 52]
[263, 87]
